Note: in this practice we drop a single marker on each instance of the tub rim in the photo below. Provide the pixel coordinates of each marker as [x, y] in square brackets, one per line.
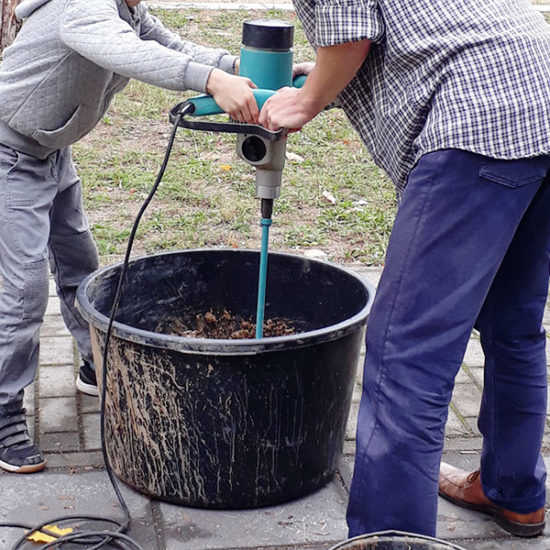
[389, 535]
[213, 346]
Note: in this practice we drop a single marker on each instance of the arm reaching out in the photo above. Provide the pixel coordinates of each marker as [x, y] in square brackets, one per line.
[334, 69]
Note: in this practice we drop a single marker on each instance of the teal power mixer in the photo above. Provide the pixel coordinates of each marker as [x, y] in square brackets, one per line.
[266, 58]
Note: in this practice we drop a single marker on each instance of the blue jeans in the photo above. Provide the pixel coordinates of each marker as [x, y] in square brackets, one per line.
[41, 219]
[470, 246]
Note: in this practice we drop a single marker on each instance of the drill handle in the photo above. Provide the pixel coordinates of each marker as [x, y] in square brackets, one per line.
[299, 81]
[205, 105]
[179, 113]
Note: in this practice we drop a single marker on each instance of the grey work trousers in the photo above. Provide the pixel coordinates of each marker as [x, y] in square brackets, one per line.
[41, 219]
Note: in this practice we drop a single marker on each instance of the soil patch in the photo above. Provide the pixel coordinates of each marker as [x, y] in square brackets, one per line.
[224, 325]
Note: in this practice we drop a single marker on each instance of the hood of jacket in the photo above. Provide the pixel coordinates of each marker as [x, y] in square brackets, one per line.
[27, 7]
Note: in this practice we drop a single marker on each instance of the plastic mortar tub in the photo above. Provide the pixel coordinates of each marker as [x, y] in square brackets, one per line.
[222, 423]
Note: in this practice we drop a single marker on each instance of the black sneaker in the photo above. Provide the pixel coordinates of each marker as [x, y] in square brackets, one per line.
[18, 454]
[86, 381]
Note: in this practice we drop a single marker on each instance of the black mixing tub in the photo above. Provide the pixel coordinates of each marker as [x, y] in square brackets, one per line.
[227, 423]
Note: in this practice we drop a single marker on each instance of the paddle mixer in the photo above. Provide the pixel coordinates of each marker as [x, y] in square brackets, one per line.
[266, 58]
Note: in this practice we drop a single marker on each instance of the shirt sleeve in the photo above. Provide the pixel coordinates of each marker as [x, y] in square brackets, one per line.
[94, 29]
[153, 29]
[340, 21]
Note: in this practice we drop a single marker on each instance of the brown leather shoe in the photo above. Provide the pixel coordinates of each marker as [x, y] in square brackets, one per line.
[464, 489]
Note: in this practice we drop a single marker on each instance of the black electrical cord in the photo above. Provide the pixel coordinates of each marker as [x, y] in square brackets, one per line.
[96, 537]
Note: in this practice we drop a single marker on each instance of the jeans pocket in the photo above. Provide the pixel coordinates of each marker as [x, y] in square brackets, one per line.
[9, 160]
[514, 173]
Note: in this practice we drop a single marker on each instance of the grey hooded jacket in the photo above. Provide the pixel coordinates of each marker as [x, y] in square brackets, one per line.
[71, 56]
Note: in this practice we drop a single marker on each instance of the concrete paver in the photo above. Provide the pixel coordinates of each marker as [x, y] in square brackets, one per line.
[316, 519]
[33, 499]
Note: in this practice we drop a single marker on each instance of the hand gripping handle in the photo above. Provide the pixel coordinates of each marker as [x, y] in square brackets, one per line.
[205, 105]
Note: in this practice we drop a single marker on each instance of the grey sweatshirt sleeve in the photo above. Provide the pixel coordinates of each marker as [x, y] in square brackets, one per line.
[153, 29]
[94, 29]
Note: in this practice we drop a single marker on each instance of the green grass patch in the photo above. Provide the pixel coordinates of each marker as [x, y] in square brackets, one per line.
[333, 197]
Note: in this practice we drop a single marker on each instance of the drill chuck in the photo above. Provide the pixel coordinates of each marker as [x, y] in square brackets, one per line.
[266, 208]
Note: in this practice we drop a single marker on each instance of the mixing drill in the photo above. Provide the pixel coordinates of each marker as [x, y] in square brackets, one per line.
[266, 58]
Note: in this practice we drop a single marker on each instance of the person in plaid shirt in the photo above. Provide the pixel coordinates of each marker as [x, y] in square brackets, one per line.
[452, 99]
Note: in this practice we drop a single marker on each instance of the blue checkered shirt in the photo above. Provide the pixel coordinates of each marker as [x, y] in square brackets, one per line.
[464, 74]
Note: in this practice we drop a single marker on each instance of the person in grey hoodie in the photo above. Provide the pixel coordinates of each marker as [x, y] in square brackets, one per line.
[56, 82]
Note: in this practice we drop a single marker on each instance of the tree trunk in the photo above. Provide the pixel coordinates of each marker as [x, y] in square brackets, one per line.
[9, 25]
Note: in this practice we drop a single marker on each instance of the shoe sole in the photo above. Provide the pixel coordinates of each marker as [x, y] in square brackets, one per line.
[512, 527]
[519, 529]
[28, 469]
[88, 389]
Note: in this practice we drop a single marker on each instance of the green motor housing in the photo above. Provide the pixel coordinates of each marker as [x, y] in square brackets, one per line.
[266, 58]
[266, 53]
